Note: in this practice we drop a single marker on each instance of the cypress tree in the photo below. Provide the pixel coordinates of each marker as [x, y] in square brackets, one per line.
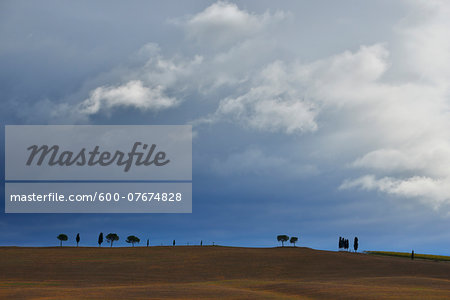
[100, 239]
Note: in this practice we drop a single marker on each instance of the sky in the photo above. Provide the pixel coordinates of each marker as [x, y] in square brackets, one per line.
[315, 119]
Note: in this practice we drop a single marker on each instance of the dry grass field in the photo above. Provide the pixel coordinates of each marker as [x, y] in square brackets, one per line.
[408, 255]
[192, 272]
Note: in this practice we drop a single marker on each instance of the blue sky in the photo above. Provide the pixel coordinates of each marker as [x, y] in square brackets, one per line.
[311, 118]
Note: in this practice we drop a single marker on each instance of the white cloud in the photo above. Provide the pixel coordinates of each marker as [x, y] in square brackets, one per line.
[146, 86]
[424, 41]
[428, 158]
[272, 103]
[409, 125]
[434, 192]
[365, 65]
[131, 94]
[147, 83]
[288, 98]
[387, 160]
[224, 24]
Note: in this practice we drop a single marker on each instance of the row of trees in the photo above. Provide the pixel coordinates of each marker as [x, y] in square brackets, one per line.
[131, 239]
[110, 238]
[344, 243]
[284, 238]
[63, 237]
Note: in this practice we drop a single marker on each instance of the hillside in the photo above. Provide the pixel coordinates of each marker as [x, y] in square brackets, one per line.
[193, 272]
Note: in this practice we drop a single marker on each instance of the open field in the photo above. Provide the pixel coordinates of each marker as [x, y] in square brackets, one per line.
[408, 255]
[193, 272]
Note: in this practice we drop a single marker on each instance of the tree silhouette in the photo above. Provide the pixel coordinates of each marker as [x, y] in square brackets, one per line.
[78, 238]
[62, 237]
[132, 239]
[173, 243]
[343, 243]
[148, 242]
[293, 240]
[355, 244]
[282, 238]
[100, 239]
[111, 237]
